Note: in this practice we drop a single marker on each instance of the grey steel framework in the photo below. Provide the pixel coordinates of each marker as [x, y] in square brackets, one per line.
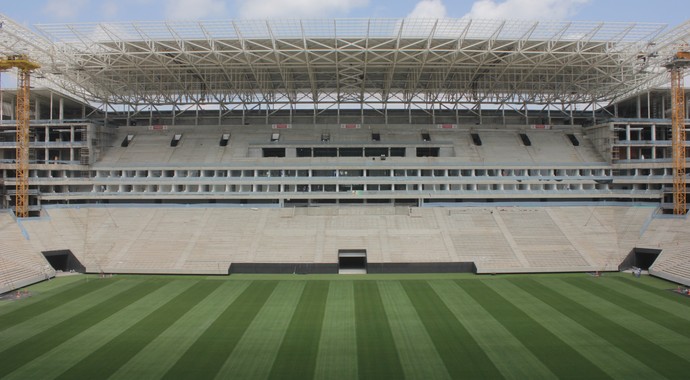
[378, 64]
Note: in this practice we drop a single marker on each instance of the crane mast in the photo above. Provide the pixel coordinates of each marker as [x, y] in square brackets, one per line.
[24, 67]
[676, 66]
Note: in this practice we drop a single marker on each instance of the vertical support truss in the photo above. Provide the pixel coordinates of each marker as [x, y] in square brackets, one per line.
[22, 171]
[678, 135]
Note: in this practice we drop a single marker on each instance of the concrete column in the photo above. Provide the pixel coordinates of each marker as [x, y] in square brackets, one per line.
[653, 132]
[548, 115]
[37, 110]
[2, 102]
[627, 137]
[61, 112]
[639, 107]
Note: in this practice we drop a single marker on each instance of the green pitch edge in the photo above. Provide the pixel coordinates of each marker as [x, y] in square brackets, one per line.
[49, 303]
[650, 354]
[559, 357]
[106, 360]
[205, 357]
[26, 351]
[657, 291]
[654, 314]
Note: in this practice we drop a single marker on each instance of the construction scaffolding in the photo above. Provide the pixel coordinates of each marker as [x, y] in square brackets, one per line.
[24, 67]
[677, 66]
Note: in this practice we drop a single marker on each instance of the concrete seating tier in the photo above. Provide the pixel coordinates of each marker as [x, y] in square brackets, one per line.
[208, 239]
[20, 263]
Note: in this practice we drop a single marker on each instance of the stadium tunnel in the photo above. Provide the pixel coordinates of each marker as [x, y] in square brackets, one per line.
[64, 260]
[352, 261]
[642, 258]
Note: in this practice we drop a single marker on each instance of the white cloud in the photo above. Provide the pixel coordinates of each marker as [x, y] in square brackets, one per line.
[428, 9]
[194, 9]
[291, 9]
[524, 9]
[64, 9]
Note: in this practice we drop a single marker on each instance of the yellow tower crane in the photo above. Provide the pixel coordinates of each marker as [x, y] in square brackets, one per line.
[677, 66]
[24, 67]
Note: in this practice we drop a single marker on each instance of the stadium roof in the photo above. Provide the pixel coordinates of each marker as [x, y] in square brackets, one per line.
[374, 63]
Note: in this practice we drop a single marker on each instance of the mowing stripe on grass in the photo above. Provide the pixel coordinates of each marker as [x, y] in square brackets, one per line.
[530, 297]
[507, 353]
[205, 357]
[462, 356]
[648, 343]
[154, 360]
[377, 357]
[662, 335]
[633, 305]
[561, 359]
[654, 297]
[47, 302]
[297, 355]
[107, 359]
[41, 290]
[42, 322]
[256, 351]
[29, 349]
[73, 350]
[337, 355]
[651, 284]
[417, 352]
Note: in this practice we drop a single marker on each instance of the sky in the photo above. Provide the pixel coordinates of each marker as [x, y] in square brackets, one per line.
[30, 12]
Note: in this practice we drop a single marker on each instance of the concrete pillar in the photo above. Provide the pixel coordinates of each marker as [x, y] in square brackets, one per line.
[61, 107]
[2, 102]
[639, 107]
[628, 149]
[37, 109]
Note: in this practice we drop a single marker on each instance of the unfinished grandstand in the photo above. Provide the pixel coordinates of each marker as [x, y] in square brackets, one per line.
[296, 146]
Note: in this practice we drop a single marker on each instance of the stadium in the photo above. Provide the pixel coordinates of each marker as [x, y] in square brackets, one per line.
[460, 195]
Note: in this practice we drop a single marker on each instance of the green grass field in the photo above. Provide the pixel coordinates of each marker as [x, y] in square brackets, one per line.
[330, 327]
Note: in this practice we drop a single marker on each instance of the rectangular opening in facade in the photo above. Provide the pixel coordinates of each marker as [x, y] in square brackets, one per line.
[375, 152]
[352, 261]
[303, 152]
[273, 152]
[176, 140]
[351, 152]
[426, 137]
[376, 136]
[476, 140]
[573, 139]
[525, 139]
[427, 152]
[127, 140]
[325, 152]
[397, 152]
[224, 139]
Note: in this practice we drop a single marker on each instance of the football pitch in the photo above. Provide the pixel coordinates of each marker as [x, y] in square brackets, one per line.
[347, 327]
